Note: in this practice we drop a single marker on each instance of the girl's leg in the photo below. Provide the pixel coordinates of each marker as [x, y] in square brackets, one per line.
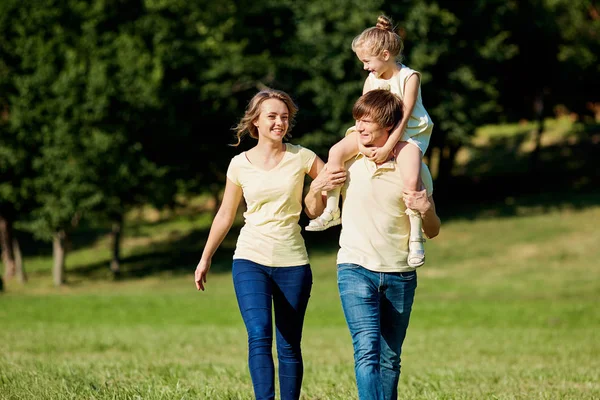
[335, 160]
[253, 289]
[339, 153]
[409, 160]
[290, 299]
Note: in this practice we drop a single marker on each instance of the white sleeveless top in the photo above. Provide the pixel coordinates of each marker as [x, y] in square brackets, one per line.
[419, 121]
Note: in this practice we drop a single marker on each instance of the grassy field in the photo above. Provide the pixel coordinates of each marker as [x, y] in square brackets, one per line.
[506, 308]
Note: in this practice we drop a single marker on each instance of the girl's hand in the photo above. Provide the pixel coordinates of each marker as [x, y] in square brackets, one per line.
[379, 154]
[367, 151]
[201, 272]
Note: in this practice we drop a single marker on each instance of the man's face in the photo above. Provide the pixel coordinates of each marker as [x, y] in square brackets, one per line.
[370, 132]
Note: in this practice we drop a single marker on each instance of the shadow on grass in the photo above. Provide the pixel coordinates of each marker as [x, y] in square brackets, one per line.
[500, 179]
[84, 236]
[180, 256]
[175, 256]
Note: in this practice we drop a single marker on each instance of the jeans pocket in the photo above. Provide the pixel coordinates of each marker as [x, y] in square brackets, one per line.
[343, 267]
[408, 276]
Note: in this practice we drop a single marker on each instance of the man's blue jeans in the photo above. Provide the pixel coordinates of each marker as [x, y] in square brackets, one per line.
[259, 290]
[377, 308]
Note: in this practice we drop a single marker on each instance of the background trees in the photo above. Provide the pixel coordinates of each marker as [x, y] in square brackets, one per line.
[106, 105]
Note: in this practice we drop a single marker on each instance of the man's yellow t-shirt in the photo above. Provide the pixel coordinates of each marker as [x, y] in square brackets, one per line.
[375, 228]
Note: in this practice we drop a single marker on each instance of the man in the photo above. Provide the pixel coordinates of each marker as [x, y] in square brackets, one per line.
[375, 283]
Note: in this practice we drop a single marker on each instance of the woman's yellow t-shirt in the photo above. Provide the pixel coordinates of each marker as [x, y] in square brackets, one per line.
[271, 233]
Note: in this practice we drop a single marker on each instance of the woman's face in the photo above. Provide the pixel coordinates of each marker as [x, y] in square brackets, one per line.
[273, 121]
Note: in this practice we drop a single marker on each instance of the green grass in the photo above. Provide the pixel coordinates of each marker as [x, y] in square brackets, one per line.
[557, 128]
[506, 308]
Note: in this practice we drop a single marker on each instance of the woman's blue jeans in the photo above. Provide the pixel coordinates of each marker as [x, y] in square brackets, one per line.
[286, 290]
[377, 308]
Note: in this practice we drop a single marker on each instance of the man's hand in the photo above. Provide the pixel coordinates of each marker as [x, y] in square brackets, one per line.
[416, 200]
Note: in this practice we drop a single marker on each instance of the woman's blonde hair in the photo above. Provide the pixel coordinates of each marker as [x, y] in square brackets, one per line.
[378, 38]
[246, 124]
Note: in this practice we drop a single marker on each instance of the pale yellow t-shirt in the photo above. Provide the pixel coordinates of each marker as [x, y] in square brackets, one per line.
[271, 234]
[375, 228]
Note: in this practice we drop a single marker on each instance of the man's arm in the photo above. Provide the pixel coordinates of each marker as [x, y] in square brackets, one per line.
[431, 221]
[419, 201]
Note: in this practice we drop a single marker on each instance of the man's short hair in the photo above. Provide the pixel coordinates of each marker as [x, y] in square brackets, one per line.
[380, 105]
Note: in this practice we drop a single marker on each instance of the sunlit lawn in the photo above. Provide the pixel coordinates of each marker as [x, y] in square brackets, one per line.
[506, 308]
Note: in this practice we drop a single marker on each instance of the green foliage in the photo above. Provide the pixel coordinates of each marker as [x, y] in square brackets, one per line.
[108, 104]
[42, 116]
[327, 77]
[454, 46]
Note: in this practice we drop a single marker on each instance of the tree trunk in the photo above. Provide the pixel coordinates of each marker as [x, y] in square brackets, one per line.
[8, 257]
[59, 254]
[445, 166]
[20, 269]
[538, 108]
[115, 263]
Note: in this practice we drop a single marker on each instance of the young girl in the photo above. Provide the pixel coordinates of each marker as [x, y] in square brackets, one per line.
[379, 48]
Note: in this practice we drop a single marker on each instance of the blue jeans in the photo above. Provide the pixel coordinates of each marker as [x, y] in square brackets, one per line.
[259, 290]
[377, 308]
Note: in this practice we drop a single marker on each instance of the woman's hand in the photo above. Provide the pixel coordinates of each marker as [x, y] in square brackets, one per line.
[201, 272]
[329, 178]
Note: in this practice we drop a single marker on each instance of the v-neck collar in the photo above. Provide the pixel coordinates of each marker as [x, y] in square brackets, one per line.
[285, 153]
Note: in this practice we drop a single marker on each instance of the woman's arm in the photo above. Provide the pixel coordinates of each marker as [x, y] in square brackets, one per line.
[220, 227]
[325, 179]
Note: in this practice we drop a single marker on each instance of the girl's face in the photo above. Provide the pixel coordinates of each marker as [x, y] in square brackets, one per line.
[273, 120]
[376, 65]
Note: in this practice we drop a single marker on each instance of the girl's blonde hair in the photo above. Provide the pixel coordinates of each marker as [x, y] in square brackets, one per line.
[378, 38]
[246, 124]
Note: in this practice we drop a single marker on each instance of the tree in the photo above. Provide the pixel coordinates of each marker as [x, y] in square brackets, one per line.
[46, 121]
[459, 48]
[320, 69]
[16, 148]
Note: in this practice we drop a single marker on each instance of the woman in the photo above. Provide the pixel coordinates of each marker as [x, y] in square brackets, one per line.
[270, 263]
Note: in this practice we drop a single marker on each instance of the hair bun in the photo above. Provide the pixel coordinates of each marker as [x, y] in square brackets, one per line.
[384, 23]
